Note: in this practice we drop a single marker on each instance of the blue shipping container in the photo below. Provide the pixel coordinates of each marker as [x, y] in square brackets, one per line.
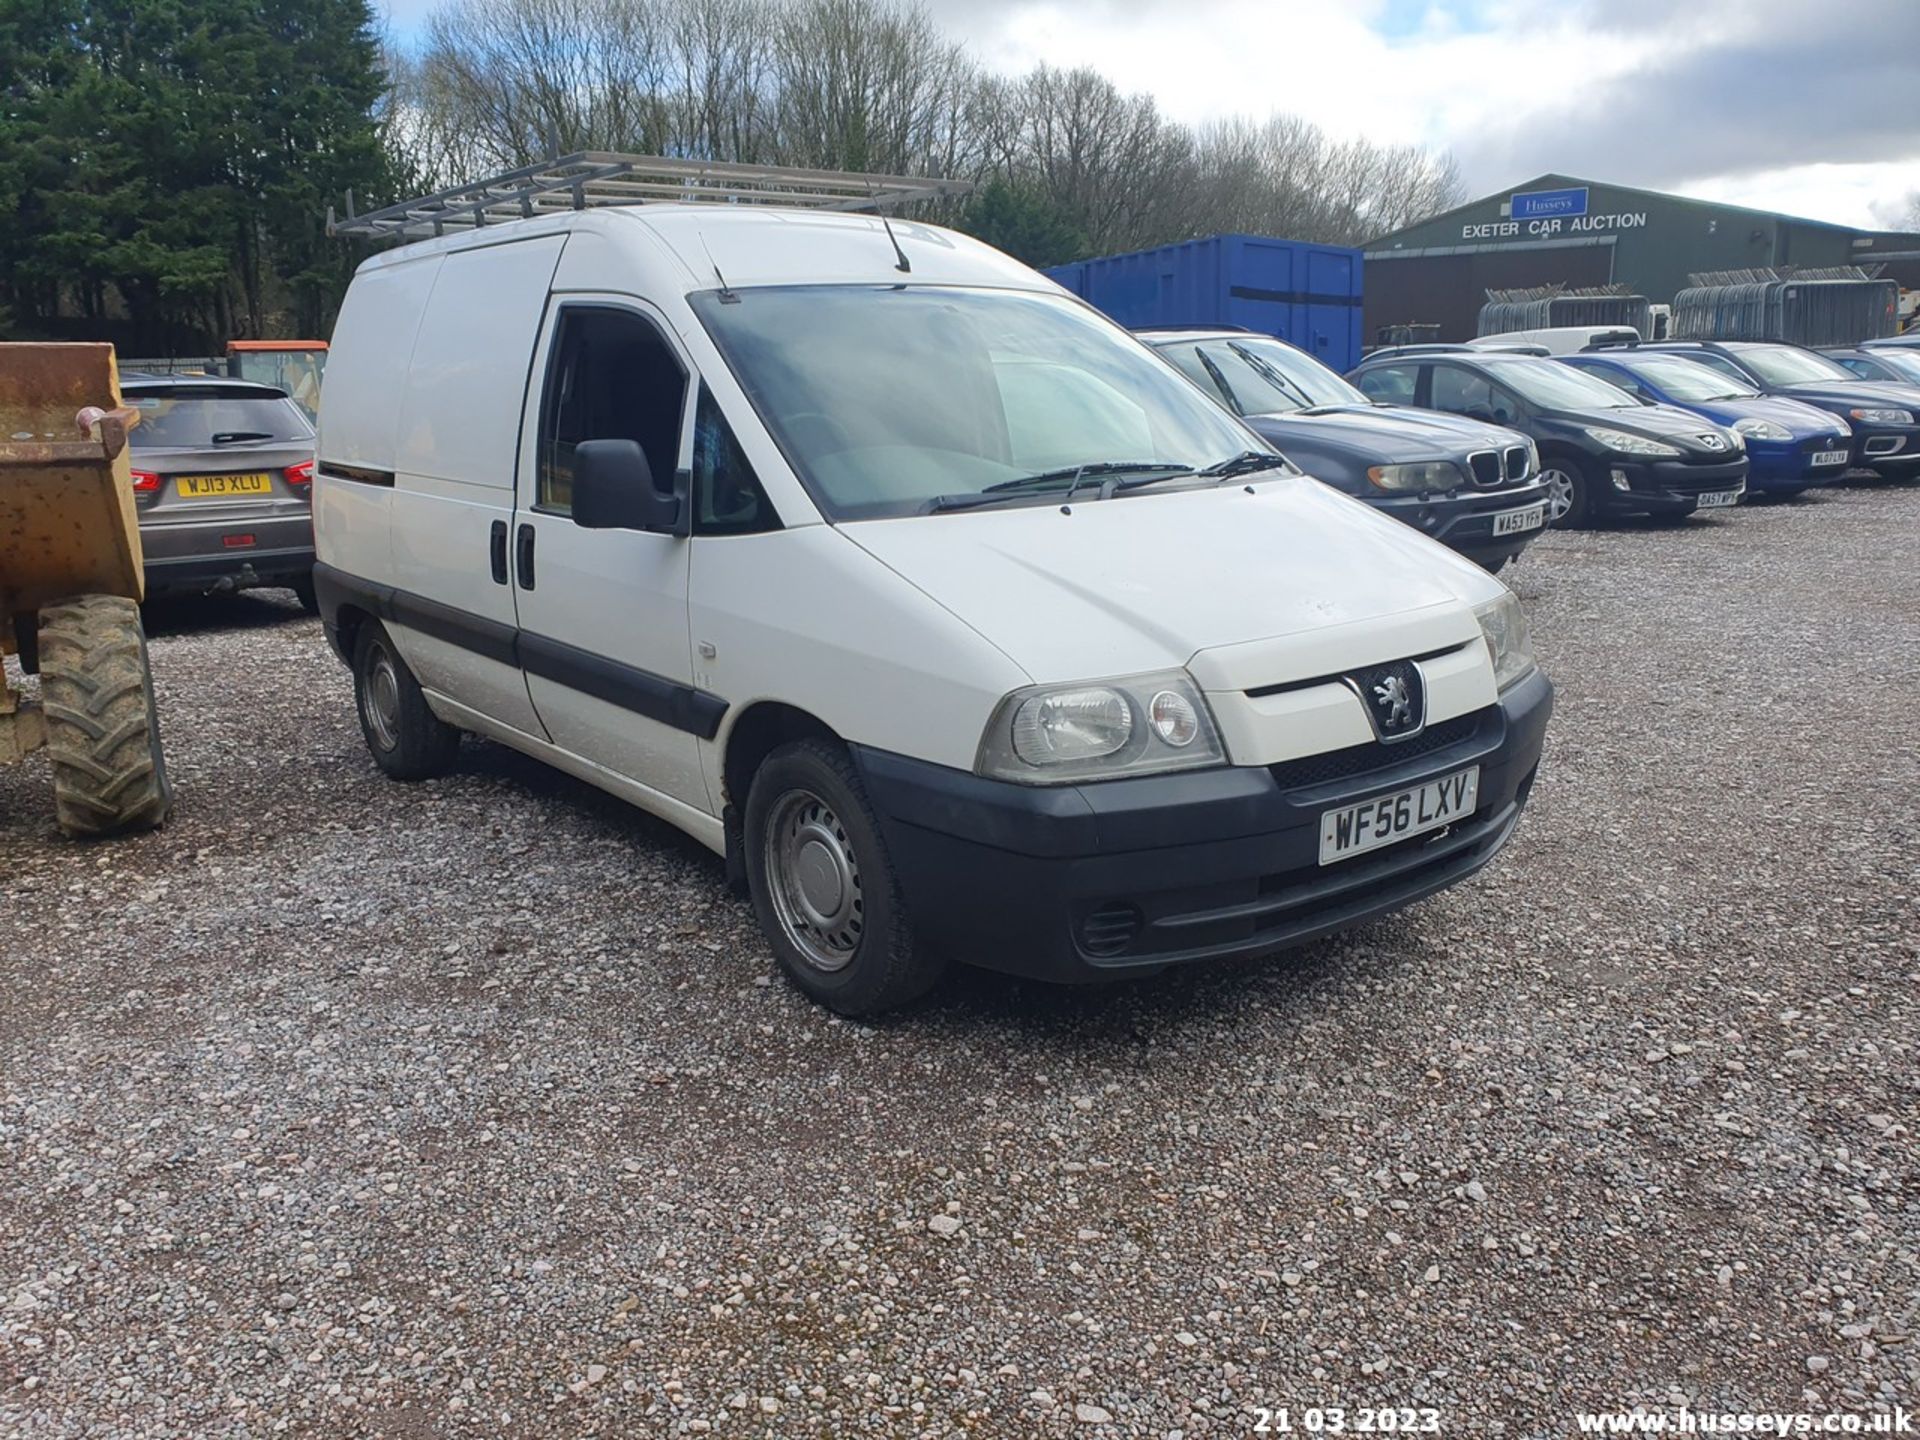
[1306, 294]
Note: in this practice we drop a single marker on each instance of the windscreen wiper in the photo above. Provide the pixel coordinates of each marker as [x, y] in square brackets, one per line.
[1245, 463]
[1025, 485]
[229, 437]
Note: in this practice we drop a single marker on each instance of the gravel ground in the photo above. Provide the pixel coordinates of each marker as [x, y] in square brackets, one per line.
[347, 1108]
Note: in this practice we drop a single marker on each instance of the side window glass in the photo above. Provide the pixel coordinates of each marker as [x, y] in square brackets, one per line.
[610, 377]
[727, 498]
[1462, 392]
[1390, 384]
[1624, 379]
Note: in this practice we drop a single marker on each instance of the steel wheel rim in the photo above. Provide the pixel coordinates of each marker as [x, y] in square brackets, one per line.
[1559, 494]
[814, 880]
[380, 698]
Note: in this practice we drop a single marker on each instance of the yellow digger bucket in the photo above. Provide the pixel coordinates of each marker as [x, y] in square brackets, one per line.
[67, 522]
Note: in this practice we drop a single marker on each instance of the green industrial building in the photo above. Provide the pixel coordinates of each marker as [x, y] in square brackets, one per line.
[1558, 230]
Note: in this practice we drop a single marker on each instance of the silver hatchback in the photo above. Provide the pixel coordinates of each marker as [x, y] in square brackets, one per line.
[223, 483]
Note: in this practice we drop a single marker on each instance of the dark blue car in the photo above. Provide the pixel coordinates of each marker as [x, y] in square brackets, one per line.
[1791, 446]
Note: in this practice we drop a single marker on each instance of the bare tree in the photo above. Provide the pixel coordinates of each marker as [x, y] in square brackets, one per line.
[874, 85]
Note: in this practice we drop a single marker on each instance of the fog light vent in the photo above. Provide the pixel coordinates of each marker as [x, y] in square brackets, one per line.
[1110, 929]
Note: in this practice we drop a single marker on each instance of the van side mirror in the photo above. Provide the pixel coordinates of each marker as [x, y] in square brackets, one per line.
[613, 489]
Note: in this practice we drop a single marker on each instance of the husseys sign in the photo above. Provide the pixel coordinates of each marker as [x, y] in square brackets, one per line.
[1540, 214]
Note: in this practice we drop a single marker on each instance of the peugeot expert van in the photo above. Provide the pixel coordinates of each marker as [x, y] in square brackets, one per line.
[956, 621]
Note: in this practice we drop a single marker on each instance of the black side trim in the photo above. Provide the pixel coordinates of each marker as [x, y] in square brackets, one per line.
[491, 638]
[1293, 297]
[640, 691]
[359, 474]
[668, 701]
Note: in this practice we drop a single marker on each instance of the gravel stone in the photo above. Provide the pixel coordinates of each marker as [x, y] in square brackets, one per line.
[346, 1108]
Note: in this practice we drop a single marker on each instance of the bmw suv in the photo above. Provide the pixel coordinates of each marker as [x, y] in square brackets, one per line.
[1466, 483]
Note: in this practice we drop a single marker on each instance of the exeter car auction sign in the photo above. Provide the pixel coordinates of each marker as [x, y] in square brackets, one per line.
[1540, 214]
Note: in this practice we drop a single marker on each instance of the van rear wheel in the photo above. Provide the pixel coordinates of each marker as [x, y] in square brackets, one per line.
[407, 739]
[823, 887]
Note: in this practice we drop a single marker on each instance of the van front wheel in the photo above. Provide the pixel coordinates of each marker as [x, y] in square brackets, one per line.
[823, 888]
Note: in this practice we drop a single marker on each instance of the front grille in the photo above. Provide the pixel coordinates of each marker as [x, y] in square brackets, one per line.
[1363, 759]
[1516, 462]
[1485, 465]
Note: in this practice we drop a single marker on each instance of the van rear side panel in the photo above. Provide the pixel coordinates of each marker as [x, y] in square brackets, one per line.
[359, 426]
[454, 469]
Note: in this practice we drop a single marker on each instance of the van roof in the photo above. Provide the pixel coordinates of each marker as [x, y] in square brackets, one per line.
[758, 245]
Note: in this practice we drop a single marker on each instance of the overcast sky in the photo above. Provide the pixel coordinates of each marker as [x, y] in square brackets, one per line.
[1807, 106]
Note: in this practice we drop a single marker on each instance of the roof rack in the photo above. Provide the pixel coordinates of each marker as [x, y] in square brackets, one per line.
[594, 178]
[1424, 347]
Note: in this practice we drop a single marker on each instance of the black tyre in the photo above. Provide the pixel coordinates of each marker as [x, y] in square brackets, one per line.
[304, 592]
[103, 725]
[822, 885]
[1569, 492]
[407, 739]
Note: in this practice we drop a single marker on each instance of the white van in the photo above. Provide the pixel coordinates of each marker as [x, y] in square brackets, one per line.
[957, 621]
[1558, 339]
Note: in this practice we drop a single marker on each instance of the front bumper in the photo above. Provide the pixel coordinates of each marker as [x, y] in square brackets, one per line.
[271, 550]
[1091, 882]
[1891, 450]
[1464, 519]
[1664, 487]
[1787, 465]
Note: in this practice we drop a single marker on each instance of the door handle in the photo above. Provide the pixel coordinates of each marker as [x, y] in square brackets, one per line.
[497, 551]
[523, 557]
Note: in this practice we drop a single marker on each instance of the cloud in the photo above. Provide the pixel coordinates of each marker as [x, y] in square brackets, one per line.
[1739, 100]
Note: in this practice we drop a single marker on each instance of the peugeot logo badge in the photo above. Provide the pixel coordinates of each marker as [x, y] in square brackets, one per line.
[1392, 696]
[1713, 442]
[1395, 699]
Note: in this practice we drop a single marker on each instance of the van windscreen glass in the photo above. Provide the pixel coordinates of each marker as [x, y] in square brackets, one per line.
[887, 399]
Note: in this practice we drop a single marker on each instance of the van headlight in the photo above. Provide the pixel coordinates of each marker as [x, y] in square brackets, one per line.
[1061, 734]
[1504, 624]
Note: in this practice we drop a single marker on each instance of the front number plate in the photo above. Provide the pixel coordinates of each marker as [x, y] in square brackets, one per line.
[1360, 828]
[1512, 522]
[216, 487]
[1830, 457]
[1714, 499]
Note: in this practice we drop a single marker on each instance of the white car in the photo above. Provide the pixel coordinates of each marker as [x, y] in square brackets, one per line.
[959, 623]
[1558, 339]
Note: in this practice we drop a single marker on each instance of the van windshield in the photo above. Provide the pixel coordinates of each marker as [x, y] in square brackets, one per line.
[888, 400]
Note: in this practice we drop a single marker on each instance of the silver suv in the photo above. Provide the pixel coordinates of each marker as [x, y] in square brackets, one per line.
[223, 483]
